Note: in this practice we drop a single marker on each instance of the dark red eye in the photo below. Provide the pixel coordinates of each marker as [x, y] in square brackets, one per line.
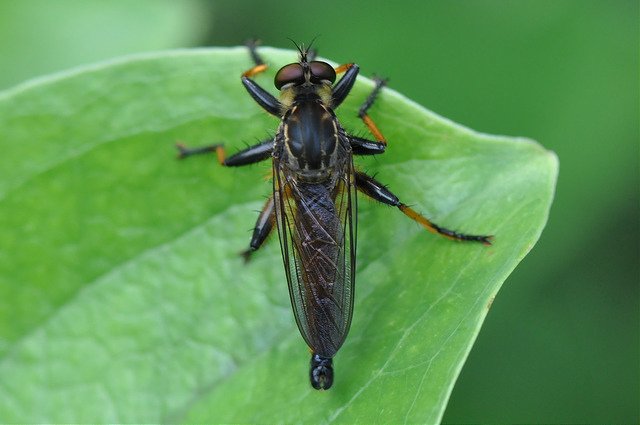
[321, 71]
[291, 73]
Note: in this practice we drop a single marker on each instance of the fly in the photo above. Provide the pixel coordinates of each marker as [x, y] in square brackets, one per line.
[314, 204]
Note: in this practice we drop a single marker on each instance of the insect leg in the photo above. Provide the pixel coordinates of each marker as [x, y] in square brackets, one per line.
[342, 88]
[250, 155]
[259, 65]
[376, 190]
[361, 146]
[262, 97]
[362, 113]
[262, 229]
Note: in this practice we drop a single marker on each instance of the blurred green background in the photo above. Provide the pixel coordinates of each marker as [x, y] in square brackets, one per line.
[561, 343]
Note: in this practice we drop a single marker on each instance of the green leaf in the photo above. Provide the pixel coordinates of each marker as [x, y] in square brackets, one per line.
[123, 299]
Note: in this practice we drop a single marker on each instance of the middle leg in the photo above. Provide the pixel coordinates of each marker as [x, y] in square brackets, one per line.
[250, 155]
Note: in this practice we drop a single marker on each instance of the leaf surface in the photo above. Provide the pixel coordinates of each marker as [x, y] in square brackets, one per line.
[122, 295]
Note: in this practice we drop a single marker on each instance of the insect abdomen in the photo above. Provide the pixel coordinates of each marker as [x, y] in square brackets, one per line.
[321, 237]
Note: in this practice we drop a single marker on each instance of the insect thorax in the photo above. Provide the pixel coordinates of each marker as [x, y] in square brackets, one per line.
[310, 133]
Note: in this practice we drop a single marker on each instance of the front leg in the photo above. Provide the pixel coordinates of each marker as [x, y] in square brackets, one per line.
[262, 97]
[342, 88]
[376, 190]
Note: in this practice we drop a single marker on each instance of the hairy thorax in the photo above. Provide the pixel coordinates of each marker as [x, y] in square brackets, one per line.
[311, 138]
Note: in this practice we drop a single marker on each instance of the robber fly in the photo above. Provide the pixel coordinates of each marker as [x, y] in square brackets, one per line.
[314, 195]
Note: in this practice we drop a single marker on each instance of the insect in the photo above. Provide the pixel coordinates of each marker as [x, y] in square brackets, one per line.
[314, 205]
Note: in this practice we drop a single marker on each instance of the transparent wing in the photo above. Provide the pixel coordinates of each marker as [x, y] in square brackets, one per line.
[317, 229]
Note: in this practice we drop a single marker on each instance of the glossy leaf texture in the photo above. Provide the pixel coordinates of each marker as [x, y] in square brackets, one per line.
[122, 294]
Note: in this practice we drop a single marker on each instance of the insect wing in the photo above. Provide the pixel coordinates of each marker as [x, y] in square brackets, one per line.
[317, 229]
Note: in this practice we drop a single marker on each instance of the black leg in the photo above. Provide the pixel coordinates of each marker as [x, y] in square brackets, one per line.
[342, 88]
[250, 155]
[262, 97]
[253, 44]
[184, 152]
[262, 229]
[376, 190]
[361, 146]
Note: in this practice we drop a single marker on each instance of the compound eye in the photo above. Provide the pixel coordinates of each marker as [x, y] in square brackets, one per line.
[322, 71]
[291, 73]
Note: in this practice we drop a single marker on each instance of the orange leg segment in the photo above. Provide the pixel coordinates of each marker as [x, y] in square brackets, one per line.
[343, 68]
[255, 70]
[379, 192]
[260, 66]
[434, 228]
[218, 148]
[362, 113]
